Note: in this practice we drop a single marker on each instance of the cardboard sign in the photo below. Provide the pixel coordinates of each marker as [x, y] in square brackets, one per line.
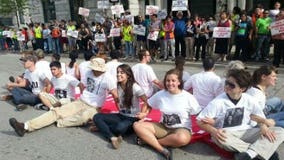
[222, 32]
[150, 10]
[63, 33]
[139, 30]
[103, 4]
[179, 5]
[99, 18]
[69, 33]
[100, 37]
[162, 14]
[277, 27]
[153, 35]
[75, 34]
[114, 32]
[84, 11]
[117, 9]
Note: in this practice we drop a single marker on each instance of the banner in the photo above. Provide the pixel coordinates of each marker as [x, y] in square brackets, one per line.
[153, 35]
[150, 10]
[162, 14]
[114, 32]
[277, 27]
[84, 12]
[103, 4]
[139, 30]
[179, 5]
[222, 32]
[117, 9]
[75, 34]
[100, 37]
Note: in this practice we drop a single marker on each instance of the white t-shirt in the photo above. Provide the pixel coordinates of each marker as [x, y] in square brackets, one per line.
[84, 68]
[144, 76]
[64, 86]
[97, 89]
[176, 108]
[258, 95]
[36, 80]
[185, 76]
[43, 66]
[112, 68]
[205, 85]
[63, 67]
[230, 116]
[135, 108]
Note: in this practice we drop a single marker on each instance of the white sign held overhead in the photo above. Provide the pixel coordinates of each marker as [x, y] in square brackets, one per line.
[103, 4]
[99, 18]
[114, 32]
[179, 5]
[222, 32]
[139, 30]
[117, 9]
[150, 10]
[162, 14]
[84, 11]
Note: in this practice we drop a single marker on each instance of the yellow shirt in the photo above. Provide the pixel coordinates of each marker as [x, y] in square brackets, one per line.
[126, 31]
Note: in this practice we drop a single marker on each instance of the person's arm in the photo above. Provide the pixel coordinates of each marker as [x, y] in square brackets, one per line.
[114, 94]
[158, 84]
[259, 120]
[21, 83]
[264, 128]
[47, 85]
[81, 87]
[218, 134]
[145, 108]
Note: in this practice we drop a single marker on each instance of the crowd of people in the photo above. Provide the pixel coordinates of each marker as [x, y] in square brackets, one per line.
[234, 108]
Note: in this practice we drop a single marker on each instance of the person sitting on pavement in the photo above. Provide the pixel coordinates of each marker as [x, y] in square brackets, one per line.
[113, 64]
[206, 84]
[145, 75]
[113, 126]
[35, 79]
[231, 113]
[83, 67]
[179, 63]
[63, 85]
[72, 68]
[176, 106]
[78, 112]
[42, 64]
[56, 57]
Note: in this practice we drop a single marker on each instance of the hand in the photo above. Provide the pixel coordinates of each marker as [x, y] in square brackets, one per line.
[208, 120]
[219, 135]
[266, 132]
[141, 115]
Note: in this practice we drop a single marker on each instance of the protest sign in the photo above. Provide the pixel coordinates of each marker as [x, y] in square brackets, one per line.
[63, 33]
[162, 14]
[117, 9]
[100, 37]
[153, 35]
[277, 27]
[84, 11]
[75, 34]
[139, 30]
[99, 18]
[179, 5]
[103, 4]
[150, 10]
[129, 18]
[69, 33]
[21, 37]
[114, 32]
[222, 32]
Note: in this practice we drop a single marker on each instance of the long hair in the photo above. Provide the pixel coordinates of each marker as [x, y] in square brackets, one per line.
[128, 92]
[73, 55]
[262, 70]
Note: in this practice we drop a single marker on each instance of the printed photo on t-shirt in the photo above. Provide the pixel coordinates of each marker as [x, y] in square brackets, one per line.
[233, 117]
[60, 93]
[171, 119]
[90, 84]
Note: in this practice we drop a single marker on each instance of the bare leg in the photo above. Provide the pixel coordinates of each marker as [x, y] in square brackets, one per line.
[180, 138]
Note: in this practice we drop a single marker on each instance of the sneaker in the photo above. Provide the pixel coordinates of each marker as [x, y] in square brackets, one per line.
[115, 141]
[167, 153]
[18, 127]
[275, 156]
[11, 79]
[21, 107]
[242, 156]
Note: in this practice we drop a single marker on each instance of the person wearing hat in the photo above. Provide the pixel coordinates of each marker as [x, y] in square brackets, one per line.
[33, 78]
[42, 64]
[78, 112]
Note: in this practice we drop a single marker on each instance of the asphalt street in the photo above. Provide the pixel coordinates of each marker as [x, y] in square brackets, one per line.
[77, 143]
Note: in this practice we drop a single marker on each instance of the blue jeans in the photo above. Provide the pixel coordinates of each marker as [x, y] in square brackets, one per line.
[56, 45]
[262, 45]
[48, 44]
[278, 118]
[2, 43]
[273, 105]
[128, 49]
[111, 125]
[23, 96]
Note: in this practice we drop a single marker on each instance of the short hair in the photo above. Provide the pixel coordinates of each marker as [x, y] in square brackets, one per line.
[179, 75]
[56, 56]
[262, 70]
[114, 54]
[56, 64]
[142, 53]
[88, 55]
[208, 63]
[242, 77]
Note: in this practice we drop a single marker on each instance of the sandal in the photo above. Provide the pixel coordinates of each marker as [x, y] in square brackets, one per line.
[93, 128]
[139, 141]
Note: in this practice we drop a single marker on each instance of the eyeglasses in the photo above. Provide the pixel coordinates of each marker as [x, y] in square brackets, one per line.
[230, 84]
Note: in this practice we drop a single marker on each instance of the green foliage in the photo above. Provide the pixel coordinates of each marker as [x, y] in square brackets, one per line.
[10, 6]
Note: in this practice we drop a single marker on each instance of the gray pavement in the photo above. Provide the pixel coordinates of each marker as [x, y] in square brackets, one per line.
[77, 143]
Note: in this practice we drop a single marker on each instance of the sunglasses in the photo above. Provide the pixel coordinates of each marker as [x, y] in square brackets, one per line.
[230, 84]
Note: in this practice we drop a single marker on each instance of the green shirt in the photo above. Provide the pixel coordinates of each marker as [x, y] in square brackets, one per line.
[262, 25]
[1, 33]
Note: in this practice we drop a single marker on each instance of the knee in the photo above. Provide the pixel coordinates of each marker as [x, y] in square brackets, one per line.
[182, 139]
[138, 126]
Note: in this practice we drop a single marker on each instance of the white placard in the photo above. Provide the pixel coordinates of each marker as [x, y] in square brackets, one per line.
[162, 14]
[27, 19]
[222, 32]
[99, 18]
[179, 5]
[75, 34]
[129, 18]
[273, 12]
[103, 4]
[277, 27]
[117, 9]
[153, 35]
[84, 11]
[63, 33]
[6, 33]
[100, 37]
[114, 32]
[20, 36]
[69, 33]
[139, 30]
[150, 10]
